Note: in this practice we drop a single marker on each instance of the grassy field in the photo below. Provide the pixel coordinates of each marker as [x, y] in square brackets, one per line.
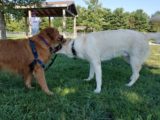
[74, 99]
[16, 36]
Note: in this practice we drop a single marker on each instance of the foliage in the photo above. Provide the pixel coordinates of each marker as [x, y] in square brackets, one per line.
[44, 23]
[92, 19]
[93, 4]
[15, 25]
[116, 20]
[69, 24]
[156, 13]
[139, 20]
[8, 6]
[57, 23]
[97, 18]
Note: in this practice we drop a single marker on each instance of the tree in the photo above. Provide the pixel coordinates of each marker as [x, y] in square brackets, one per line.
[93, 4]
[116, 20]
[43, 23]
[2, 26]
[8, 6]
[107, 15]
[91, 17]
[138, 20]
[14, 25]
[93, 20]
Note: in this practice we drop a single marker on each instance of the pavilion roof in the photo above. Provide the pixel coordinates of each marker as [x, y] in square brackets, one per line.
[51, 9]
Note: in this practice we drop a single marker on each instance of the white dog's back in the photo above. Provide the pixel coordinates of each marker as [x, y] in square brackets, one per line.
[113, 43]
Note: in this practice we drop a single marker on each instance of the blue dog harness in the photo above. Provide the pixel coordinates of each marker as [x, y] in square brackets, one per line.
[35, 54]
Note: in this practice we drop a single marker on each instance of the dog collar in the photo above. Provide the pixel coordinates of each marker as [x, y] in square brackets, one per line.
[73, 49]
[51, 49]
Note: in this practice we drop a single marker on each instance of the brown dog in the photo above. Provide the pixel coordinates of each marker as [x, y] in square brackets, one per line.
[28, 56]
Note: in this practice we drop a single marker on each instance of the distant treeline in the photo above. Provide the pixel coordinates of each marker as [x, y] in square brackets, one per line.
[95, 19]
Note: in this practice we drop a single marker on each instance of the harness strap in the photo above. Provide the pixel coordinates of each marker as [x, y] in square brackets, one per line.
[35, 54]
[51, 62]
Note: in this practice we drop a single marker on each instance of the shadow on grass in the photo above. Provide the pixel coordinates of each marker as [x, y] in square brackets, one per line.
[136, 101]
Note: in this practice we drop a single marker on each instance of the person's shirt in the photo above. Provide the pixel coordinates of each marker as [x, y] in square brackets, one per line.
[35, 21]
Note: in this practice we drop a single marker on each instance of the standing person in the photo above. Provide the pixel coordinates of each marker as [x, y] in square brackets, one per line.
[34, 22]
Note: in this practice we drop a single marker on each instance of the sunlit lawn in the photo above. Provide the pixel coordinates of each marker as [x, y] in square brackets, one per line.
[74, 99]
[15, 36]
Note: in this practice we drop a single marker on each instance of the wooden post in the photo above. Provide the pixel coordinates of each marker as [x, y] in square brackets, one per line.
[26, 27]
[49, 20]
[30, 26]
[74, 28]
[64, 21]
[2, 26]
[0, 33]
[158, 27]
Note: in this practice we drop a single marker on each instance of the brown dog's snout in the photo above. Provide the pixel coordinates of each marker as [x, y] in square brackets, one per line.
[62, 39]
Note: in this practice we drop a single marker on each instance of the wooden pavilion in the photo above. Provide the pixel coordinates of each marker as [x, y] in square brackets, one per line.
[51, 9]
[155, 20]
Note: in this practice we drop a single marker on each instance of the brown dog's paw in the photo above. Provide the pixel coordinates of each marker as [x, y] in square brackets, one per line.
[30, 87]
[49, 93]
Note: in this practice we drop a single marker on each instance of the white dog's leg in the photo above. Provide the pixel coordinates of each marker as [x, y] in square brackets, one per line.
[91, 73]
[98, 72]
[136, 67]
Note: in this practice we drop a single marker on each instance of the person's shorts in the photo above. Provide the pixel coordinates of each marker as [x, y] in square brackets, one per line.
[35, 31]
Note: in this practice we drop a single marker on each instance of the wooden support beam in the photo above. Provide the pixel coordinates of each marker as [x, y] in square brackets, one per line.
[26, 27]
[49, 20]
[68, 11]
[64, 21]
[74, 28]
[30, 26]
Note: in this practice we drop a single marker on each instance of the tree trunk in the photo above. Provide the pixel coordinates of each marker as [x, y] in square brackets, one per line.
[2, 26]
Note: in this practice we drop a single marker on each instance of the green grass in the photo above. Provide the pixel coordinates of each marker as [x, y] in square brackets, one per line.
[16, 36]
[74, 99]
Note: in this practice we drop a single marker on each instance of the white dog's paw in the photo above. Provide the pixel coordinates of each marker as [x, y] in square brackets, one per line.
[129, 84]
[87, 79]
[97, 91]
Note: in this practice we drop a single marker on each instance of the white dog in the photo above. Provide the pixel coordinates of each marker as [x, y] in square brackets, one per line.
[105, 45]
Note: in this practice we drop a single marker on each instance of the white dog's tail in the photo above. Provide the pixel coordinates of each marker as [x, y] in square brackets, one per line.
[153, 36]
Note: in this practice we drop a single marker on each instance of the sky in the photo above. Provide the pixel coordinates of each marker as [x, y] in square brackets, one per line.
[149, 6]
